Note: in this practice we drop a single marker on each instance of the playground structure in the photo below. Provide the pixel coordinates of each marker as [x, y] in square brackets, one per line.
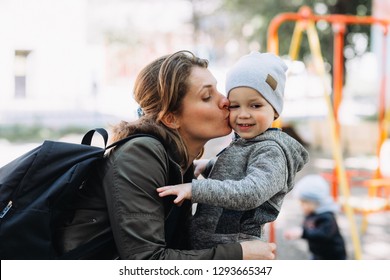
[377, 186]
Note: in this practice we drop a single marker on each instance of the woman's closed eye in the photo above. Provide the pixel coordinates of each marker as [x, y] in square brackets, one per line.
[206, 97]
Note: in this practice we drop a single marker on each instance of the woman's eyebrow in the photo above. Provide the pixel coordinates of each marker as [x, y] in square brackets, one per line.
[208, 84]
[205, 87]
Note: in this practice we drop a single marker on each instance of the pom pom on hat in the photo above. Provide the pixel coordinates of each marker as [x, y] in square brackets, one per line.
[264, 72]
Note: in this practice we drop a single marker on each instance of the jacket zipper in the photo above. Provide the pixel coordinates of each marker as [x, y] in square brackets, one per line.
[6, 209]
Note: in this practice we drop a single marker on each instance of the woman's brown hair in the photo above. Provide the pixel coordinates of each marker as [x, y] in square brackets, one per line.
[159, 90]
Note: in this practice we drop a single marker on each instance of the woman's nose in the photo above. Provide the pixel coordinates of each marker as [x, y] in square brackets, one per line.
[224, 102]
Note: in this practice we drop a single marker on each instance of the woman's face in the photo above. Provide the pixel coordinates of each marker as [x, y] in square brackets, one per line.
[204, 113]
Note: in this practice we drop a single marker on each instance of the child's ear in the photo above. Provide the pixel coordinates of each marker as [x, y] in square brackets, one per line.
[170, 120]
[276, 115]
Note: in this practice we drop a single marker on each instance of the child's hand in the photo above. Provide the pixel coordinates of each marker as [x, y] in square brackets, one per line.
[293, 233]
[183, 191]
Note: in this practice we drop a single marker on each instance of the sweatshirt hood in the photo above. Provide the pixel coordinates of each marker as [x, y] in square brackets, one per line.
[296, 155]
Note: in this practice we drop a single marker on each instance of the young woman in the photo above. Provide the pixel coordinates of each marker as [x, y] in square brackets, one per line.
[183, 109]
[248, 181]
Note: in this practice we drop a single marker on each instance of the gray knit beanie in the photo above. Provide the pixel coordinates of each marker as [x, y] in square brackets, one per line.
[264, 72]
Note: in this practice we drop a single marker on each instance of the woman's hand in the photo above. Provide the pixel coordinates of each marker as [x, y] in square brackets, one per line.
[183, 191]
[258, 250]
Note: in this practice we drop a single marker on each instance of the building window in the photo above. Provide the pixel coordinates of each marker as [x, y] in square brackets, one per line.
[20, 67]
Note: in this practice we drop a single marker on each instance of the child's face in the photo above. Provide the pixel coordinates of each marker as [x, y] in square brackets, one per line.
[250, 113]
[308, 207]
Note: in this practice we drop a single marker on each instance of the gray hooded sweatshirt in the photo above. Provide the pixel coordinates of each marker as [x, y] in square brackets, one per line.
[245, 188]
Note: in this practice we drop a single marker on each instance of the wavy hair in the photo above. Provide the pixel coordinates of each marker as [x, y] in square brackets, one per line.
[159, 90]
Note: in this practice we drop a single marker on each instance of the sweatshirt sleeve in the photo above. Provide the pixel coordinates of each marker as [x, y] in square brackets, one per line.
[265, 176]
[137, 213]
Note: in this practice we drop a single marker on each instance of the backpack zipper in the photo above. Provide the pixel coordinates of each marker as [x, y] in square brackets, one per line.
[6, 209]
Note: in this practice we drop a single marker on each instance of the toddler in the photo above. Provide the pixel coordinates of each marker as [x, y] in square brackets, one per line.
[247, 183]
[320, 227]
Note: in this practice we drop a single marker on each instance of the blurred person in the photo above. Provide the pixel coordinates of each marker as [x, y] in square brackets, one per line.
[250, 178]
[320, 227]
[182, 107]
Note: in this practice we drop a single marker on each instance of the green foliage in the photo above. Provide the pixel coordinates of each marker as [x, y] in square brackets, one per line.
[256, 15]
[19, 133]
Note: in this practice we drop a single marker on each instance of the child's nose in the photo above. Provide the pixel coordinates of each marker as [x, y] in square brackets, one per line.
[244, 114]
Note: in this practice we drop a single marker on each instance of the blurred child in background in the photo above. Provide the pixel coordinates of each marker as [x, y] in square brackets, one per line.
[320, 227]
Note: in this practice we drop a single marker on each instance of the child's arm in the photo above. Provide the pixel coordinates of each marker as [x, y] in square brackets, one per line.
[264, 178]
[293, 233]
[265, 175]
[183, 191]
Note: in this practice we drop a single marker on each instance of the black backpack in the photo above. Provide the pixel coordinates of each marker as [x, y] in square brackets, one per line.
[37, 187]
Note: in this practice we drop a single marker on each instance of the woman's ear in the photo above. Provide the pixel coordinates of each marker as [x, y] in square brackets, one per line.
[170, 120]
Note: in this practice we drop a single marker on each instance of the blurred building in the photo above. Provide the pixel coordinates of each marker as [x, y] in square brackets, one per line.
[73, 61]
[43, 53]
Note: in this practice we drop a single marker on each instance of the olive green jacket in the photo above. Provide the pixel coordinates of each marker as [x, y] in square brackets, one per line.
[144, 226]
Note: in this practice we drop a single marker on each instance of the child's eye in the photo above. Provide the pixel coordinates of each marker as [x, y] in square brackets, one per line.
[256, 106]
[233, 107]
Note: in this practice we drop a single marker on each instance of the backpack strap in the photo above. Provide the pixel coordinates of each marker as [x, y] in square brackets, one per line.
[87, 139]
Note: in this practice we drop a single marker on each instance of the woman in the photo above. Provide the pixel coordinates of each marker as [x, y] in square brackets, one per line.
[182, 109]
